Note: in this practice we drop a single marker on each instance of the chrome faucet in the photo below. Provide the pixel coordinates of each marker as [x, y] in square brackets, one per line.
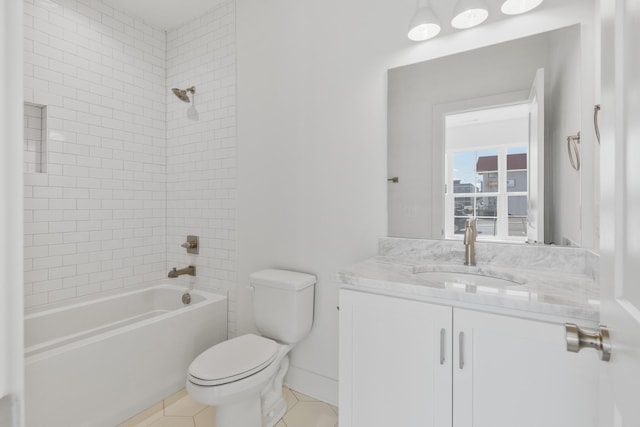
[470, 234]
[191, 271]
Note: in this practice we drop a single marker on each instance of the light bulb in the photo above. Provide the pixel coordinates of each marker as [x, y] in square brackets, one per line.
[469, 13]
[424, 25]
[516, 7]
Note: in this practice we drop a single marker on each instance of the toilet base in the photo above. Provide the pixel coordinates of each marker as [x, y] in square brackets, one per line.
[277, 411]
[245, 413]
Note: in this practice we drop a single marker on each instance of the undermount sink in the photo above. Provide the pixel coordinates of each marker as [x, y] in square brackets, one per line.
[451, 279]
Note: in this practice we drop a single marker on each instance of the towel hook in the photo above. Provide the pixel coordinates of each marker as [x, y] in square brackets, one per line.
[574, 150]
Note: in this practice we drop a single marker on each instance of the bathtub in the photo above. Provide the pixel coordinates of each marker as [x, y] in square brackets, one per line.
[97, 361]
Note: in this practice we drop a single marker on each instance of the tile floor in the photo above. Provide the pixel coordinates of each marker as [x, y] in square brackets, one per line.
[180, 410]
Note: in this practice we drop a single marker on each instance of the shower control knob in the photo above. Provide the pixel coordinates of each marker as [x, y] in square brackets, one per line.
[192, 245]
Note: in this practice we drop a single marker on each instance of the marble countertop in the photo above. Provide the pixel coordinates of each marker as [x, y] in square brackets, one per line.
[529, 288]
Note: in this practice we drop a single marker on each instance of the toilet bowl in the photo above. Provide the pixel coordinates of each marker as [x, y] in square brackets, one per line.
[243, 377]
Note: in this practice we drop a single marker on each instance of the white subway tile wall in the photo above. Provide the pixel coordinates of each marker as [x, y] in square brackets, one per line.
[131, 169]
[33, 138]
[201, 150]
[96, 220]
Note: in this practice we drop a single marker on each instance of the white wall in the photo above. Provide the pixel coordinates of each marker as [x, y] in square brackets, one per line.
[96, 220]
[201, 150]
[312, 141]
[563, 118]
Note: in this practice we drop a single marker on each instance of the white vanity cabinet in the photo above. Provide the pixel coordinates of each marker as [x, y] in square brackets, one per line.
[416, 364]
[390, 370]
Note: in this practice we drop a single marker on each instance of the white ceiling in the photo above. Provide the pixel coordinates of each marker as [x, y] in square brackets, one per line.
[164, 14]
[172, 14]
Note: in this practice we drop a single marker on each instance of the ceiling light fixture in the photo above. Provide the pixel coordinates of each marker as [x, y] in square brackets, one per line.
[425, 24]
[469, 13]
[516, 7]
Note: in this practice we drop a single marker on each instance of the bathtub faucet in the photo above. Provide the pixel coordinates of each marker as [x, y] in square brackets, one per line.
[191, 271]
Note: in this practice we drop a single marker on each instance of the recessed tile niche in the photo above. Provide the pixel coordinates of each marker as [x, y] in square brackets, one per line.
[35, 138]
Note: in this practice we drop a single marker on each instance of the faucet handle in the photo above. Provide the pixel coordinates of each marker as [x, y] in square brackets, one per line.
[192, 244]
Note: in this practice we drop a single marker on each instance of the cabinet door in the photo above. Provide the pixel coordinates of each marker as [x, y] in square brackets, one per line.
[391, 369]
[512, 372]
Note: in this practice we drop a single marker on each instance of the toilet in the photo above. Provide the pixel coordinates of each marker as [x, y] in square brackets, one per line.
[242, 377]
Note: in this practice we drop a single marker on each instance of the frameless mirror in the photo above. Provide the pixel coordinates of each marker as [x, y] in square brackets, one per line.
[479, 134]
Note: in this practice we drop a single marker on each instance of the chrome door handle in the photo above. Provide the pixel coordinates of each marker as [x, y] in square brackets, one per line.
[578, 338]
[395, 180]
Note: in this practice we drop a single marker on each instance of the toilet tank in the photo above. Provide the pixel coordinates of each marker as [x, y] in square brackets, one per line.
[283, 304]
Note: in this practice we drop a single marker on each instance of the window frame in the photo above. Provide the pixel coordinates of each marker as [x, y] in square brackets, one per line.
[502, 218]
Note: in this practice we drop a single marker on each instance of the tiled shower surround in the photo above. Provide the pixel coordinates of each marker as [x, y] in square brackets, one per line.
[201, 149]
[131, 170]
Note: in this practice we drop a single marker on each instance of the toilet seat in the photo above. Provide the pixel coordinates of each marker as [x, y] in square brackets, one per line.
[232, 360]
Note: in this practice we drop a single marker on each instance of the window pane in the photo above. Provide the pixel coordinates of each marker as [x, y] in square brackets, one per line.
[517, 150]
[487, 226]
[464, 182]
[487, 206]
[488, 182]
[463, 209]
[487, 171]
[518, 216]
[464, 161]
[516, 181]
[489, 153]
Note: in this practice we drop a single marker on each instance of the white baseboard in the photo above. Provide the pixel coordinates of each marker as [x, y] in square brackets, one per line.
[312, 384]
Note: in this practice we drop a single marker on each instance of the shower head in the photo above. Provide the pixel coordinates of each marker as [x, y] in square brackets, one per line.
[182, 93]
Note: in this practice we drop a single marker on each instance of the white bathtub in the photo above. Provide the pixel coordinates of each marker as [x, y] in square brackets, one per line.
[97, 362]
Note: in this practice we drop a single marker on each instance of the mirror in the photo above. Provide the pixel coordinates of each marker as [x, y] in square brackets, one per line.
[464, 105]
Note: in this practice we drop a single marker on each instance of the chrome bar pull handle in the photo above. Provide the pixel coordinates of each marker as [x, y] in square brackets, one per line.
[578, 338]
[461, 350]
[442, 344]
[596, 125]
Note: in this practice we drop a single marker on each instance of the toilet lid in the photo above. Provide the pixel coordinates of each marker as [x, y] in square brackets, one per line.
[232, 360]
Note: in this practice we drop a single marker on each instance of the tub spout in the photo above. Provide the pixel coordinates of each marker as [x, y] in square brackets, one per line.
[191, 271]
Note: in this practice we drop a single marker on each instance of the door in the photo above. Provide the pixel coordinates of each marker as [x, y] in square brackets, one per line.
[510, 372]
[395, 362]
[535, 160]
[11, 235]
[620, 210]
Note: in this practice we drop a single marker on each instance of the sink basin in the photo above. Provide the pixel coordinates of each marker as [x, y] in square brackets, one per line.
[456, 280]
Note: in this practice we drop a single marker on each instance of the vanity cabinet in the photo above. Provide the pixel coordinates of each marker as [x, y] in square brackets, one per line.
[416, 364]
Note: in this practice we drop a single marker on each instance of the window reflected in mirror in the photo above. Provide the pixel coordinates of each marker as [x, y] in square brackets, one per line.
[487, 177]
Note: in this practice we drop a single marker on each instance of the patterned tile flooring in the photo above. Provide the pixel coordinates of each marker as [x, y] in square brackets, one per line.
[179, 410]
